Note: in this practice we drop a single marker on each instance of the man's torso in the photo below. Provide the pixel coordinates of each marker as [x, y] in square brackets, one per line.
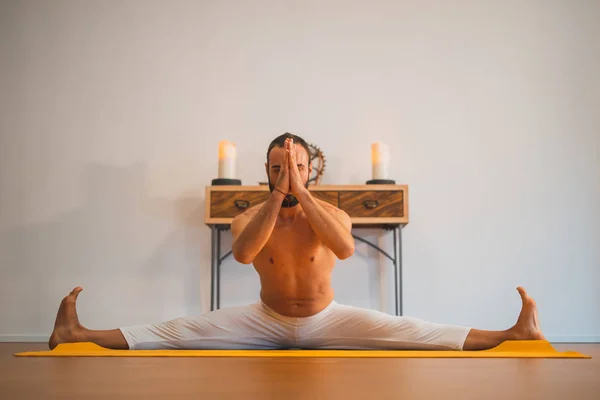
[295, 269]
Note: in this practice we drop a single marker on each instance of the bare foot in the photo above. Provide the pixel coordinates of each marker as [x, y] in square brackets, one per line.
[527, 326]
[67, 328]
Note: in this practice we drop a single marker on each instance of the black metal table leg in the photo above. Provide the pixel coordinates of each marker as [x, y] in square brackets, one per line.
[397, 260]
[396, 293]
[218, 279]
[213, 266]
[398, 268]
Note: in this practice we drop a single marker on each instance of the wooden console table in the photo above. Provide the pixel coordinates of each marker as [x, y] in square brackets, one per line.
[369, 206]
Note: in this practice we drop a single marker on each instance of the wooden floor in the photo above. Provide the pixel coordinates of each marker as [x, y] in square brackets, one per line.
[246, 378]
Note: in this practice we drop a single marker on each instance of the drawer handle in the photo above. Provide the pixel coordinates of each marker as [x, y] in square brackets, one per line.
[370, 204]
[242, 204]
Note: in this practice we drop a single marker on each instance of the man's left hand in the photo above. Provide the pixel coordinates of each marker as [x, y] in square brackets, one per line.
[296, 185]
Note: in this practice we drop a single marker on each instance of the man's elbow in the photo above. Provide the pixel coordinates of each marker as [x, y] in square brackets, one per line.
[243, 259]
[241, 256]
[346, 252]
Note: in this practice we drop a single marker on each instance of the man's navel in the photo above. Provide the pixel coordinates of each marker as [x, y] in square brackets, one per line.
[271, 260]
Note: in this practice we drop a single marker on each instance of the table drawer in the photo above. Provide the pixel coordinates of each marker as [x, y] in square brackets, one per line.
[228, 204]
[372, 204]
[328, 197]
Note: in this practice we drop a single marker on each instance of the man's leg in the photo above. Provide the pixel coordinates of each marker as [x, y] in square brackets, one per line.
[346, 327]
[67, 328]
[526, 328]
[250, 327]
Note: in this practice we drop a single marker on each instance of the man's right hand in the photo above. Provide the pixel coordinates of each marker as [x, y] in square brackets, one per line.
[283, 180]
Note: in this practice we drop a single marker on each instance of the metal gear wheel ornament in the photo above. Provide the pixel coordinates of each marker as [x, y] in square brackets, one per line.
[317, 158]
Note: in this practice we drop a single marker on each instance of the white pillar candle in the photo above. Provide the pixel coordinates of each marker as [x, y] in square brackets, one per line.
[227, 156]
[380, 160]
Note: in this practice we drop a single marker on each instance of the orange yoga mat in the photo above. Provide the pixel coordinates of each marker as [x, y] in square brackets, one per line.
[510, 349]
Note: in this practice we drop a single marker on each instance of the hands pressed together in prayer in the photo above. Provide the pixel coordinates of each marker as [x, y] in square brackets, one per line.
[290, 179]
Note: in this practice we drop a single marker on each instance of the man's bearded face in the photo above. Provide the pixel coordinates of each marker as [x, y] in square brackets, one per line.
[275, 164]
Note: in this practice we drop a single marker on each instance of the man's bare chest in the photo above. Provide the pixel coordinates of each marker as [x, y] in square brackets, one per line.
[293, 236]
[293, 247]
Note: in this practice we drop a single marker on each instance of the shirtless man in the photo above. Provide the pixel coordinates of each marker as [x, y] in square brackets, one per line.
[293, 240]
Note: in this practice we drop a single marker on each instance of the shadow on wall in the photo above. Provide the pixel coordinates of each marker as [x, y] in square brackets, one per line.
[128, 250]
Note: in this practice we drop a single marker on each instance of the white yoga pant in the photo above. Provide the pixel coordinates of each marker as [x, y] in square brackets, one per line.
[259, 327]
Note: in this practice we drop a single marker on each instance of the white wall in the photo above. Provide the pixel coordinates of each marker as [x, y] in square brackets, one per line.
[111, 113]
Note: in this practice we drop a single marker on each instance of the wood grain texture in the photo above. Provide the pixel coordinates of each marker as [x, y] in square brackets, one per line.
[290, 379]
[391, 210]
[330, 197]
[375, 188]
[326, 188]
[372, 204]
[377, 222]
[228, 204]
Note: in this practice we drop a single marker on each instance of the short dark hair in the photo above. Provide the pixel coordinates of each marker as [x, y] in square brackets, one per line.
[279, 141]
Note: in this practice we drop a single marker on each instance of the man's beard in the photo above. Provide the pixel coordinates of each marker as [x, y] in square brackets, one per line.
[289, 200]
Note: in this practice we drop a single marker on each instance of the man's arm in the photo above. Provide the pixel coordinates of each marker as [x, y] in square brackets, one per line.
[332, 225]
[252, 231]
